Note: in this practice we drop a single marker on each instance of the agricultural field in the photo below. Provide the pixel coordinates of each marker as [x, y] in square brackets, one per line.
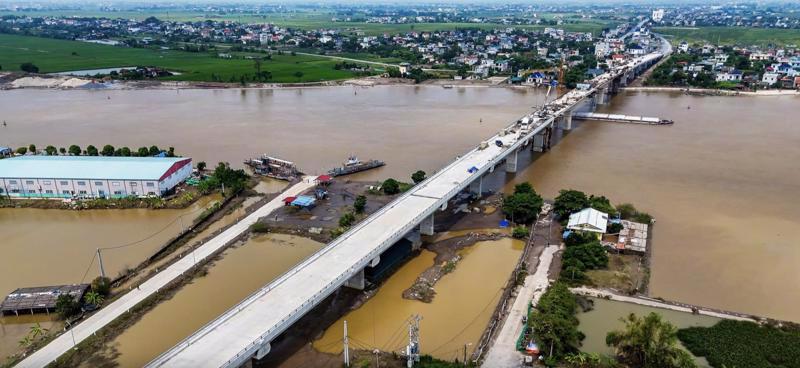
[732, 35]
[743, 344]
[52, 55]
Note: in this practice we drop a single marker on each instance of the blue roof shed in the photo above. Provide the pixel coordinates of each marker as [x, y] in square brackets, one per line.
[304, 201]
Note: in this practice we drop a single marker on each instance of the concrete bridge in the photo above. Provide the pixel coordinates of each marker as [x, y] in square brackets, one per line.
[246, 330]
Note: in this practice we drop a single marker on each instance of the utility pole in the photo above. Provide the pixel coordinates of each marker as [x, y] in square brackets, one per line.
[100, 258]
[412, 350]
[346, 347]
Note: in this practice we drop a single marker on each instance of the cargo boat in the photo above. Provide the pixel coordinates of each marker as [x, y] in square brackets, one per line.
[354, 165]
[273, 167]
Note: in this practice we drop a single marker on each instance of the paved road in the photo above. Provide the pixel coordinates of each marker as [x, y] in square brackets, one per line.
[503, 353]
[63, 343]
[369, 62]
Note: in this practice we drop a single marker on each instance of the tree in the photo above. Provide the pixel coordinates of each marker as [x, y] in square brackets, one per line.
[74, 150]
[523, 205]
[125, 151]
[153, 150]
[580, 238]
[649, 342]
[554, 322]
[626, 210]
[101, 285]
[108, 150]
[418, 176]
[51, 150]
[62, 151]
[171, 152]
[602, 204]
[22, 150]
[142, 152]
[391, 186]
[91, 150]
[569, 201]
[29, 68]
[32, 148]
[67, 306]
[201, 166]
[360, 204]
[93, 298]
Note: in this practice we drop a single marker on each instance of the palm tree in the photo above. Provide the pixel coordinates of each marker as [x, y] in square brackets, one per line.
[93, 298]
[37, 331]
[649, 342]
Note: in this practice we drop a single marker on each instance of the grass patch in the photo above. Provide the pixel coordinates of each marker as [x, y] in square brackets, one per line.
[623, 273]
[743, 36]
[743, 344]
[52, 55]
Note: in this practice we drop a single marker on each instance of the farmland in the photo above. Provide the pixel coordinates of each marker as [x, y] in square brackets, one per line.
[733, 35]
[743, 344]
[52, 55]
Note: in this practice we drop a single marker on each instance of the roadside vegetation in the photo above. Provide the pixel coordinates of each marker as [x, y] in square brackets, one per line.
[744, 344]
[523, 205]
[91, 150]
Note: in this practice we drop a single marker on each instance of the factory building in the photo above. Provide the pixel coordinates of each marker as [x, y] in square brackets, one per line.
[91, 176]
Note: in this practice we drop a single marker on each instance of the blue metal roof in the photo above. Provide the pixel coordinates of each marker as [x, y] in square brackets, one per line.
[86, 167]
[304, 201]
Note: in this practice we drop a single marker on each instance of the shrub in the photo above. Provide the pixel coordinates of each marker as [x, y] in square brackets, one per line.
[614, 228]
[580, 237]
[347, 219]
[67, 306]
[391, 186]
[519, 232]
[360, 204]
[418, 176]
[259, 227]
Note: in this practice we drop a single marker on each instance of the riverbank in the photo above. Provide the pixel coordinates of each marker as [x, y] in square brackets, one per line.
[716, 92]
[13, 81]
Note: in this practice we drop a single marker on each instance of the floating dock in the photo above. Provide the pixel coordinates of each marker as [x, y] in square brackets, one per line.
[618, 118]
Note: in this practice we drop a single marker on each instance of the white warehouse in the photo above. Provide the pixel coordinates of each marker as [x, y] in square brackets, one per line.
[91, 176]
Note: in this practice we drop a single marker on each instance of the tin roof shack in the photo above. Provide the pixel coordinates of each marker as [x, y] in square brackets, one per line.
[304, 202]
[39, 299]
[588, 219]
[632, 237]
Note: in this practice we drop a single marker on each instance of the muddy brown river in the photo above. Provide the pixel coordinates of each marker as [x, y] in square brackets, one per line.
[722, 182]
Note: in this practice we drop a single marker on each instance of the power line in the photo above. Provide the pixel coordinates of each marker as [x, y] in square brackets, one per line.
[153, 234]
[491, 301]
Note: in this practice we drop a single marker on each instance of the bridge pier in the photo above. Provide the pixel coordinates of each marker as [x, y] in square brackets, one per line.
[263, 350]
[476, 187]
[357, 282]
[511, 162]
[566, 121]
[601, 96]
[415, 238]
[426, 226]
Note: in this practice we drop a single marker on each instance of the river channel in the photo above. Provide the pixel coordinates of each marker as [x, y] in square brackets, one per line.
[721, 182]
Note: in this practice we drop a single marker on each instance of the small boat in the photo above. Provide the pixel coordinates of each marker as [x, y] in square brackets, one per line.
[354, 165]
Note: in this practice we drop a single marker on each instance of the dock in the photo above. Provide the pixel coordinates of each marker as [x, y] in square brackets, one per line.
[41, 299]
[619, 118]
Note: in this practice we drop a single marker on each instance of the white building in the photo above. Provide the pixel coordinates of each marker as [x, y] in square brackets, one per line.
[770, 78]
[91, 176]
[732, 76]
[658, 15]
[588, 219]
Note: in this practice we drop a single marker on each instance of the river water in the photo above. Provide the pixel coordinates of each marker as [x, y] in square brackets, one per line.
[458, 314]
[721, 182]
[241, 271]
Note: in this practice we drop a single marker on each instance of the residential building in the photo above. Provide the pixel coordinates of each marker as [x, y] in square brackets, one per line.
[588, 219]
[91, 176]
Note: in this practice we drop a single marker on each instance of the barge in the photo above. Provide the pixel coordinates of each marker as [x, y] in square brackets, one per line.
[354, 165]
[273, 167]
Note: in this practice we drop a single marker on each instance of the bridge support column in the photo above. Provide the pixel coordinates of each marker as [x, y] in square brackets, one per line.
[601, 96]
[357, 281]
[511, 162]
[415, 238]
[476, 187]
[539, 142]
[263, 350]
[566, 121]
[426, 226]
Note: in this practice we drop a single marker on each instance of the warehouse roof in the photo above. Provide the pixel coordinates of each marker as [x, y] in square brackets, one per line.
[89, 167]
[588, 219]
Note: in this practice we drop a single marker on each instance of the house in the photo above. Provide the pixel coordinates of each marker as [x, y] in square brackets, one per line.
[731, 76]
[770, 78]
[6, 151]
[91, 176]
[535, 78]
[588, 219]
